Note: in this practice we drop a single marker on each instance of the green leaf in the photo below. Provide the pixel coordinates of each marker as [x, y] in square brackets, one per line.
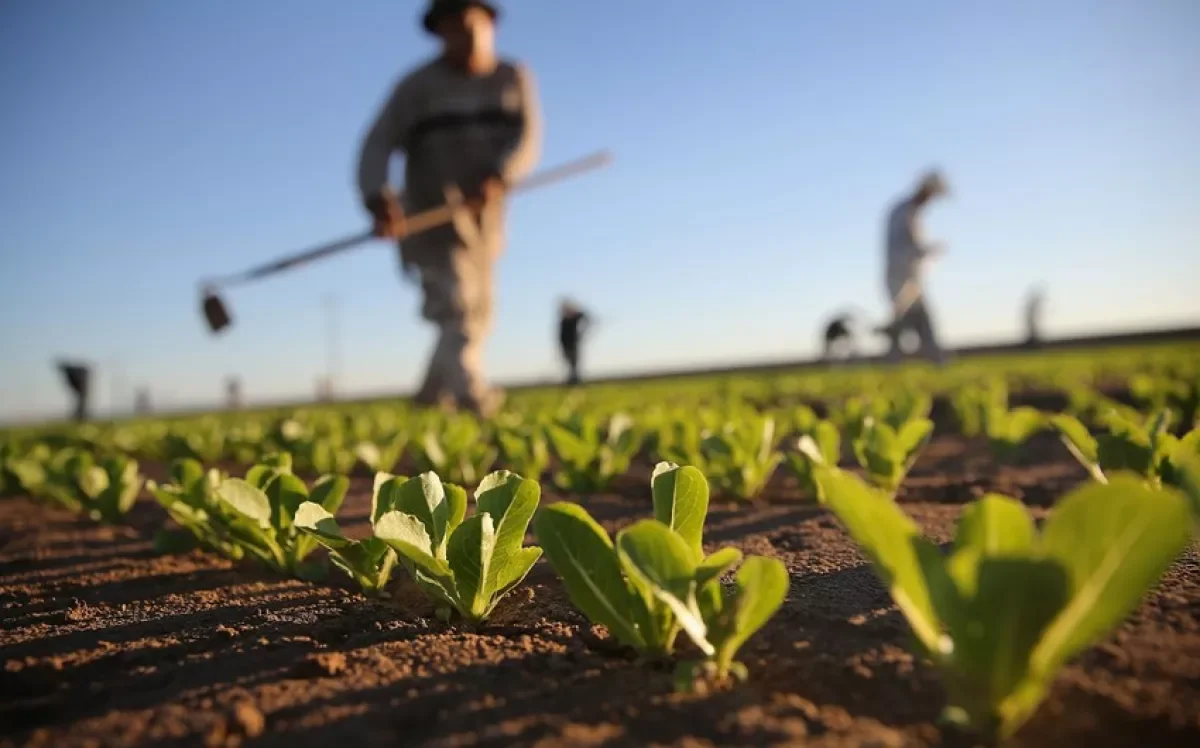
[248, 501]
[93, 480]
[1185, 473]
[829, 442]
[660, 560]
[681, 503]
[1024, 422]
[456, 502]
[470, 553]
[990, 527]
[1115, 541]
[584, 558]
[330, 491]
[997, 628]
[517, 567]
[383, 494]
[259, 475]
[313, 518]
[761, 587]
[425, 498]
[186, 472]
[511, 501]
[717, 564]
[1080, 443]
[286, 493]
[407, 534]
[889, 539]
[912, 438]
[368, 454]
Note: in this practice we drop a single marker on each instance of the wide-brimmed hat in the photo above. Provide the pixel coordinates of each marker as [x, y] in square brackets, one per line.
[439, 9]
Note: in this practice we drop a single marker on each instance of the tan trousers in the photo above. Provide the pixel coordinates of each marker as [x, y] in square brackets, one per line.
[457, 286]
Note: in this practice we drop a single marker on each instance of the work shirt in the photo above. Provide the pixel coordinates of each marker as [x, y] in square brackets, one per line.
[454, 128]
[570, 328]
[906, 247]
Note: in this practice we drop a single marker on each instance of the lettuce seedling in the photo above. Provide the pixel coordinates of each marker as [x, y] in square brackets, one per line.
[588, 459]
[826, 445]
[524, 450]
[191, 500]
[105, 492]
[655, 581]
[369, 562]
[1007, 429]
[21, 474]
[887, 453]
[731, 615]
[741, 457]
[383, 455]
[466, 565]
[596, 578]
[973, 403]
[1007, 608]
[1139, 447]
[1181, 395]
[459, 449]
[258, 513]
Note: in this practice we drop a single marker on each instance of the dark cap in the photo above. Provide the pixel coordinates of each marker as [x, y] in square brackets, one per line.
[438, 9]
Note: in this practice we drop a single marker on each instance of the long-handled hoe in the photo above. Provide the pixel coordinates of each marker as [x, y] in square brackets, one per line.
[216, 313]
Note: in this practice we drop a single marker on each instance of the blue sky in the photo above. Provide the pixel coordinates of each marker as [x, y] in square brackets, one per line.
[146, 144]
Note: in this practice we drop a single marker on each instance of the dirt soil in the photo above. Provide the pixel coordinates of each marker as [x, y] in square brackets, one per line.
[105, 643]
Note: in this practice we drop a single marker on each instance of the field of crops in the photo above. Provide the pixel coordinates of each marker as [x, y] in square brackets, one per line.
[999, 550]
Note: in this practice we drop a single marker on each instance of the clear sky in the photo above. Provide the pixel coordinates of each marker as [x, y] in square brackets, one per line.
[147, 143]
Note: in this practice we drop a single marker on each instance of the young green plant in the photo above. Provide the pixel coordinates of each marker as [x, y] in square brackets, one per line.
[888, 453]
[823, 445]
[1127, 444]
[464, 565]
[1008, 607]
[655, 580]
[258, 514]
[370, 561]
[589, 459]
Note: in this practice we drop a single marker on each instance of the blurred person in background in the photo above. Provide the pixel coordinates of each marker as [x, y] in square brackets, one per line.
[469, 125]
[1035, 303]
[233, 393]
[572, 324]
[141, 401]
[908, 255]
[78, 377]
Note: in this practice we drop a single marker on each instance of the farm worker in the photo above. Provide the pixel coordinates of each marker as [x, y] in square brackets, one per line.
[907, 256]
[469, 125]
[1033, 317]
[78, 378]
[572, 324]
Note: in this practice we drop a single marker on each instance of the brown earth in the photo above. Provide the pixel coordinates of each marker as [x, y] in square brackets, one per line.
[105, 643]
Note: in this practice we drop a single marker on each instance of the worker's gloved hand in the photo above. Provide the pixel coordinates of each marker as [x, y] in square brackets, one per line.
[492, 189]
[388, 215]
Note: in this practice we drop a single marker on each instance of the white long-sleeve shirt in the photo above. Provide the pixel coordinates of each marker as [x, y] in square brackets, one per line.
[907, 249]
[453, 129]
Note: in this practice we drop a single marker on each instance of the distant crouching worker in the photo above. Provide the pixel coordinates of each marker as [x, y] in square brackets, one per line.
[908, 255]
[839, 337]
[573, 323]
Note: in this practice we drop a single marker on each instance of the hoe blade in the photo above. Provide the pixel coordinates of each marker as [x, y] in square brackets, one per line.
[215, 312]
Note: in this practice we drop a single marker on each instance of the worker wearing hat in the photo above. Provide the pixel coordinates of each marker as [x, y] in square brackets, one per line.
[468, 125]
[908, 255]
